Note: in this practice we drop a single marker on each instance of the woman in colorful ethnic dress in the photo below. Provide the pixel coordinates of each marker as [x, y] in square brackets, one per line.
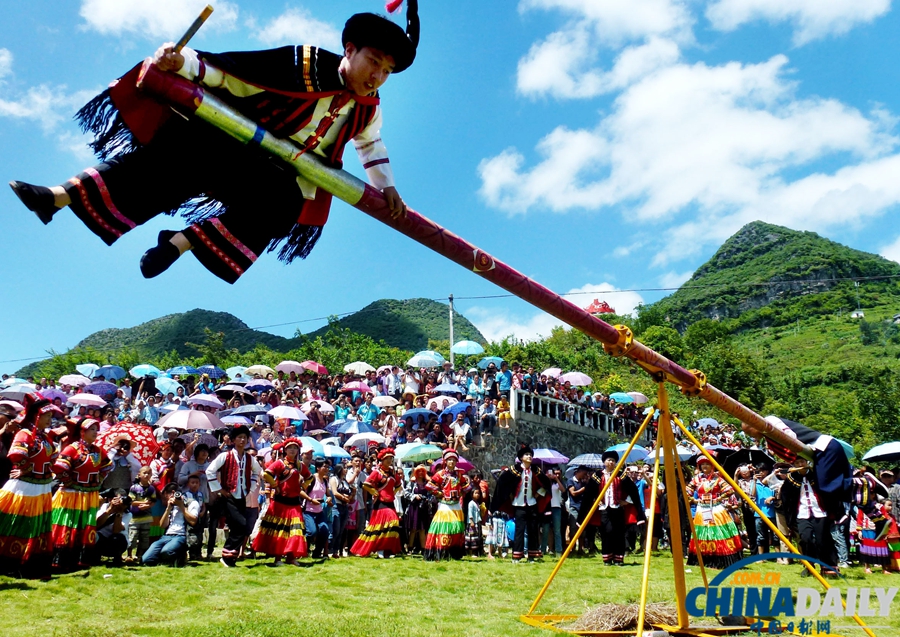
[446, 535]
[719, 539]
[80, 469]
[419, 508]
[382, 533]
[25, 500]
[281, 531]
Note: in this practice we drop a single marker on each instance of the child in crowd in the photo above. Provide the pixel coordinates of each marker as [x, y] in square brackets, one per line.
[143, 497]
[474, 516]
[503, 416]
[496, 535]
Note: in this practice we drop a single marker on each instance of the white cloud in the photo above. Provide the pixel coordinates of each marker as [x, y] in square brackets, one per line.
[715, 141]
[811, 19]
[497, 324]
[49, 106]
[162, 20]
[298, 25]
[892, 251]
[674, 279]
[6, 60]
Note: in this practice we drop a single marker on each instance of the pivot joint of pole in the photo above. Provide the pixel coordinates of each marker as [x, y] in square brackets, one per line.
[698, 386]
[620, 347]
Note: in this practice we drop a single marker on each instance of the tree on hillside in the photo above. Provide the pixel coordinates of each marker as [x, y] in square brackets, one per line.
[212, 350]
[665, 340]
[702, 333]
[738, 374]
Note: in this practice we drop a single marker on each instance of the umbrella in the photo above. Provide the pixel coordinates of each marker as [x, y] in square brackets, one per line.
[290, 366]
[211, 370]
[549, 456]
[167, 385]
[359, 368]
[112, 372]
[74, 380]
[251, 410]
[233, 389]
[384, 401]
[357, 386]
[334, 452]
[260, 384]
[334, 440]
[415, 413]
[681, 452]
[637, 454]
[449, 388]
[424, 360]
[324, 406]
[462, 464]
[848, 448]
[101, 388]
[170, 407]
[87, 369]
[432, 353]
[707, 422]
[458, 408]
[182, 370]
[639, 398]
[746, 456]
[312, 433]
[313, 366]
[286, 411]
[18, 392]
[468, 348]
[355, 427]
[143, 443]
[589, 460]
[383, 368]
[139, 371]
[51, 393]
[88, 400]
[207, 400]
[621, 397]
[552, 372]
[887, 452]
[337, 424]
[486, 361]
[236, 420]
[317, 447]
[9, 382]
[237, 370]
[191, 419]
[205, 439]
[363, 439]
[720, 452]
[13, 404]
[437, 401]
[417, 452]
[576, 378]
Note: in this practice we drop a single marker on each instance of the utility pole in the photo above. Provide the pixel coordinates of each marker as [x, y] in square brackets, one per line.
[451, 333]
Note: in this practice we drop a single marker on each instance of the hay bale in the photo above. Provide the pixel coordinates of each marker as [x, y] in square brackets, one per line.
[609, 617]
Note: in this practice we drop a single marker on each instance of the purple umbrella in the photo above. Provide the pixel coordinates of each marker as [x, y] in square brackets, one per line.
[550, 456]
[51, 393]
[101, 388]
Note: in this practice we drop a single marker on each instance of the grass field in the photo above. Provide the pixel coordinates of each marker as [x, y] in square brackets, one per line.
[347, 597]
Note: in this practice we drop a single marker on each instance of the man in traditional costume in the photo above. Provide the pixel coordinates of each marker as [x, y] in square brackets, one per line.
[524, 492]
[229, 477]
[238, 200]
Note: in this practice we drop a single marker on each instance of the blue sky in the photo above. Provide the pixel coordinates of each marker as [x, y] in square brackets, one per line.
[601, 145]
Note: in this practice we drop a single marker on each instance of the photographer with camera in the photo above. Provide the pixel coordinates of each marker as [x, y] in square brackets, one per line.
[180, 513]
[113, 519]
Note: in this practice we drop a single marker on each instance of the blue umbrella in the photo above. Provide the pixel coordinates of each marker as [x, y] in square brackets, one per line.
[424, 360]
[212, 370]
[848, 448]
[183, 370]
[356, 427]
[172, 407]
[487, 360]
[432, 354]
[87, 369]
[455, 409]
[467, 348]
[334, 452]
[621, 397]
[251, 410]
[166, 385]
[101, 388]
[113, 372]
[415, 413]
[707, 422]
[317, 447]
[140, 371]
[449, 388]
[589, 460]
[259, 384]
[888, 452]
[234, 371]
[337, 424]
[9, 382]
[637, 454]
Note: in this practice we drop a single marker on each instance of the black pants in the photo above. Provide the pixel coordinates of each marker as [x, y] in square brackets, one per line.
[815, 539]
[260, 200]
[113, 546]
[235, 512]
[526, 520]
[750, 527]
[612, 534]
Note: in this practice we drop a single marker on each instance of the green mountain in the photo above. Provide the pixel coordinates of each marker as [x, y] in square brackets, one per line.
[408, 324]
[767, 275]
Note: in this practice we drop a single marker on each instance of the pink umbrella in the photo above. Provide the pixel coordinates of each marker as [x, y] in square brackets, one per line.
[357, 386]
[323, 406]
[74, 380]
[315, 367]
[88, 400]
[438, 401]
[290, 366]
[191, 419]
[13, 404]
[576, 378]
[639, 398]
[383, 368]
[553, 372]
[462, 463]
[207, 400]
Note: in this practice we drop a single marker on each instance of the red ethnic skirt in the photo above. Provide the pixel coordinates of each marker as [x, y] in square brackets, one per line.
[281, 531]
[382, 533]
[74, 531]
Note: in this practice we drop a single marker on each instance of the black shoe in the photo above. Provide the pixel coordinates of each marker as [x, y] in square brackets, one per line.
[38, 199]
[158, 259]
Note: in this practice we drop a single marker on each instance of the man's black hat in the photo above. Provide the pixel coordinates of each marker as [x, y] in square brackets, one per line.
[523, 450]
[610, 454]
[237, 430]
[377, 32]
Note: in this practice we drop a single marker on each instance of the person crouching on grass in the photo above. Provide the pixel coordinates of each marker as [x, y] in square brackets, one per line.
[180, 513]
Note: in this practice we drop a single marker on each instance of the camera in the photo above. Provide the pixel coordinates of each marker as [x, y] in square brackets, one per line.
[178, 495]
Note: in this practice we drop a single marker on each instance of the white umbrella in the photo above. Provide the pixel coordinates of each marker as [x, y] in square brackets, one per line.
[88, 400]
[359, 368]
[191, 419]
[424, 360]
[384, 401]
[74, 380]
[438, 401]
[207, 400]
[286, 411]
[363, 439]
[334, 452]
[290, 366]
[9, 382]
[324, 406]
[576, 378]
[18, 392]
